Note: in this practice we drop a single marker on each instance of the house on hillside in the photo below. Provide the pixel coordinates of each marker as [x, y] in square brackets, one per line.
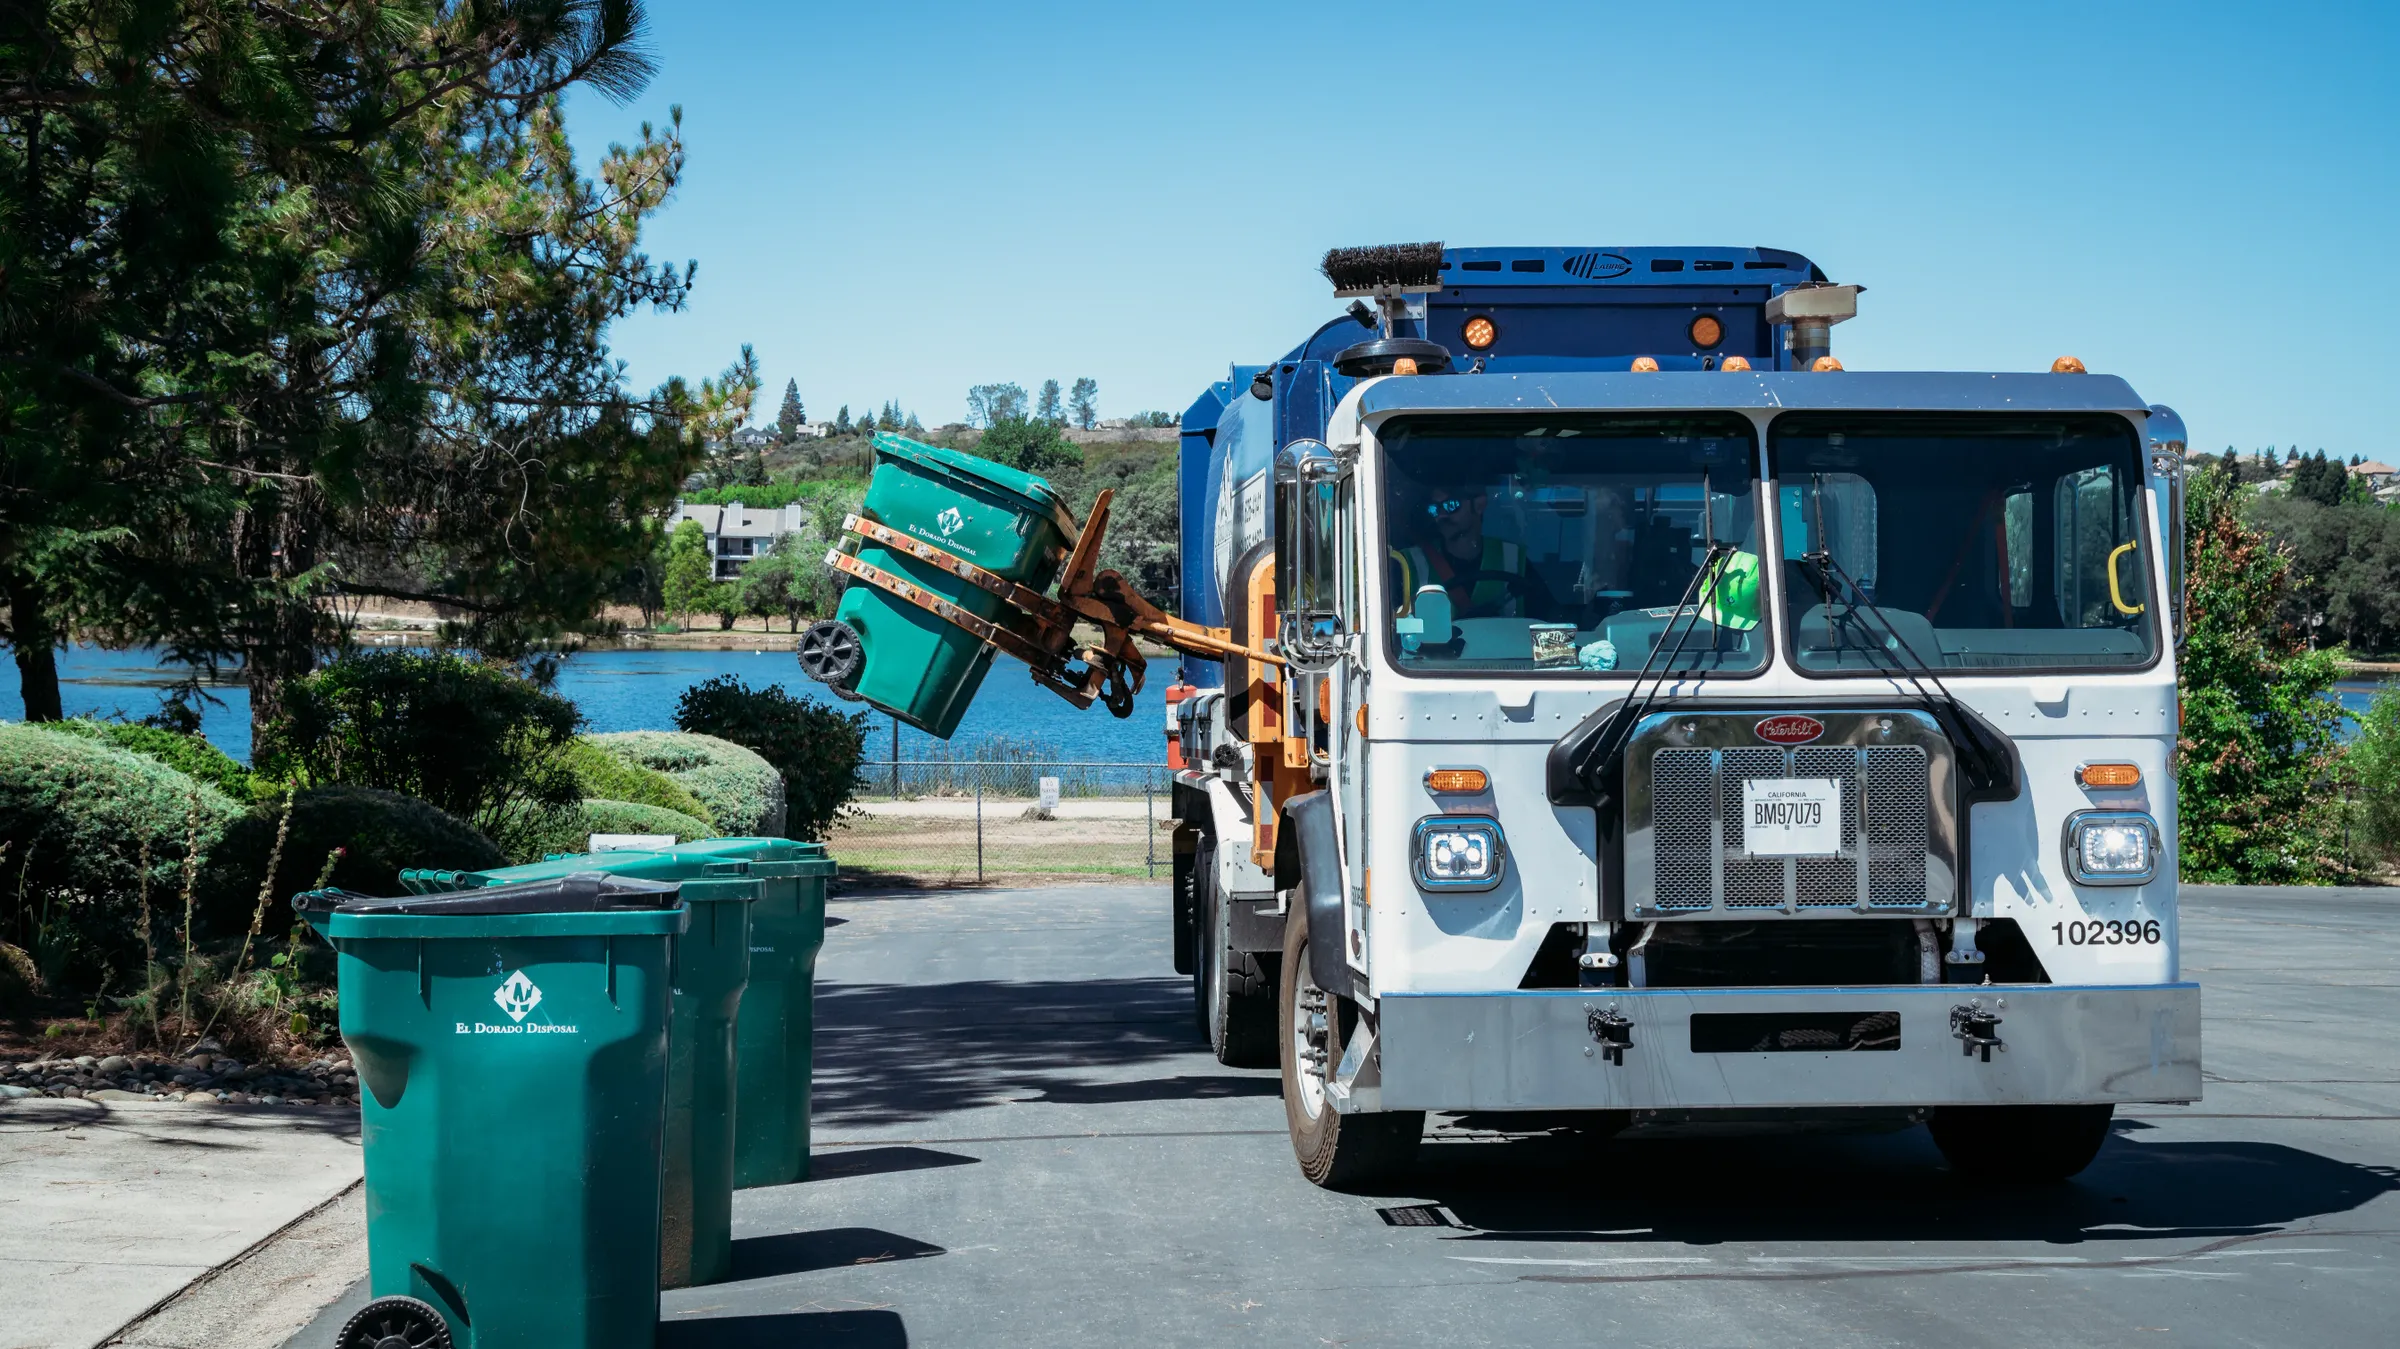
[2378, 475]
[737, 533]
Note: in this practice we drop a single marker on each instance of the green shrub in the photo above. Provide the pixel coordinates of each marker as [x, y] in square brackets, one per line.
[2371, 771]
[816, 748]
[184, 753]
[603, 776]
[77, 815]
[633, 817]
[378, 833]
[468, 737]
[535, 833]
[741, 791]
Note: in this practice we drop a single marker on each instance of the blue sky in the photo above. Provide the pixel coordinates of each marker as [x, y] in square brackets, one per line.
[899, 200]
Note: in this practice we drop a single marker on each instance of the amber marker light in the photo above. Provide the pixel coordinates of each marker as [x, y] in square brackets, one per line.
[1480, 332]
[1826, 363]
[1406, 365]
[1735, 363]
[1456, 780]
[2108, 775]
[2068, 365]
[1644, 363]
[1706, 331]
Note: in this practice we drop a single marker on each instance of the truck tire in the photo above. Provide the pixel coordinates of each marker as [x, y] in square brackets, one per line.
[1233, 1000]
[2020, 1144]
[1336, 1151]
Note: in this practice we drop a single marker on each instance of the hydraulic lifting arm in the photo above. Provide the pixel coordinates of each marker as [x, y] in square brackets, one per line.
[1040, 630]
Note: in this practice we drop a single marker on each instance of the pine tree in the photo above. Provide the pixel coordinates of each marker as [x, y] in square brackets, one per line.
[791, 416]
[1083, 402]
[841, 421]
[1049, 408]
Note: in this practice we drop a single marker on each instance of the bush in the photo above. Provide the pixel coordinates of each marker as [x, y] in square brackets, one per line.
[76, 815]
[378, 832]
[188, 754]
[533, 834]
[2371, 770]
[600, 775]
[632, 817]
[742, 792]
[2259, 734]
[816, 748]
[470, 738]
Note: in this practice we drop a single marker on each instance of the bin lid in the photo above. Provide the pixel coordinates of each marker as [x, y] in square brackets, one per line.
[959, 463]
[578, 892]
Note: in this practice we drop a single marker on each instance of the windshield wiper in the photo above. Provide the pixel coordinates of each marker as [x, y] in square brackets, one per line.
[1598, 767]
[1984, 757]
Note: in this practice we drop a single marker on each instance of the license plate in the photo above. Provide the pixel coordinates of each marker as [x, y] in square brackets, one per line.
[1791, 817]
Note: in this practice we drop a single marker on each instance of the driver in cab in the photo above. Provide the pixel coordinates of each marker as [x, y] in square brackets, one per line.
[1486, 577]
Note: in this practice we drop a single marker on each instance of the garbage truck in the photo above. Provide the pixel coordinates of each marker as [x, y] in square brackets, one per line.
[1599, 708]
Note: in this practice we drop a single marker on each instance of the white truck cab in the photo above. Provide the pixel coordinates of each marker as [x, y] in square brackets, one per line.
[1658, 743]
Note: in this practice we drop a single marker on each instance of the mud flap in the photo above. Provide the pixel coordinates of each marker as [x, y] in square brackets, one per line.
[1308, 824]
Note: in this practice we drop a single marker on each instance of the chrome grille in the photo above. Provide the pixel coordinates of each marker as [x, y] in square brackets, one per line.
[1685, 852]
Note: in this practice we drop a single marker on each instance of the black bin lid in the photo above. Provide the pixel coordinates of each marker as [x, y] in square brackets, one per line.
[576, 892]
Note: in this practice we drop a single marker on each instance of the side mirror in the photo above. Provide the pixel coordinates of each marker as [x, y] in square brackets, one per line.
[1307, 554]
[2167, 440]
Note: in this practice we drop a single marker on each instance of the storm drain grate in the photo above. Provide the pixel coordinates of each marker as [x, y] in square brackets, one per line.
[1416, 1215]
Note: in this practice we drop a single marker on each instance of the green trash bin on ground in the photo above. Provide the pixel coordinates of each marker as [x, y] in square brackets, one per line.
[920, 668]
[712, 974]
[512, 1045]
[774, 1032]
[712, 964]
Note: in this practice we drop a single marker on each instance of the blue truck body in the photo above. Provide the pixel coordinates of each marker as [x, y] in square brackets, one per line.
[1555, 309]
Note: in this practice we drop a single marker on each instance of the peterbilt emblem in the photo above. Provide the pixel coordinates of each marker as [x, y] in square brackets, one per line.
[1788, 730]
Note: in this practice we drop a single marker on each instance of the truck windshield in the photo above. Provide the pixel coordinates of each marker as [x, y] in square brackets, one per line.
[1989, 542]
[1566, 543]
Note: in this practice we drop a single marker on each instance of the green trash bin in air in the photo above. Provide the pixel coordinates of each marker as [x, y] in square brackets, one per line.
[712, 971]
[512, 1047]
[898, 656]
[774, 1032]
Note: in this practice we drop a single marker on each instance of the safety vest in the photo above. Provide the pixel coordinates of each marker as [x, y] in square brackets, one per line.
[1419, 568]
[1732, 593]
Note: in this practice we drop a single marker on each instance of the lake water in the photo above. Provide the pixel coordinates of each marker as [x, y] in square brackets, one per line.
[636, 691]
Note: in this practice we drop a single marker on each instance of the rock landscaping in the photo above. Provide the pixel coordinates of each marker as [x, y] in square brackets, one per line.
[207, 1075]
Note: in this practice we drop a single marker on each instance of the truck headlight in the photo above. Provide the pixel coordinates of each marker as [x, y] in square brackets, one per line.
[2111, 847]
[1459, 852]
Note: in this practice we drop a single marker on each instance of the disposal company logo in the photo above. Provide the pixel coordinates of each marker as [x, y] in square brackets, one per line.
[950, 521]
[517, 996]
[1788, 730]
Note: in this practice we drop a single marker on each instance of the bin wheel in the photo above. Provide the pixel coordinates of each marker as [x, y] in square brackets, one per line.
[395, 1323]
[830, 653]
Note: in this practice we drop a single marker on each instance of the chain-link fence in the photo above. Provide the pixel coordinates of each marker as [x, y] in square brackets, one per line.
[949, 822]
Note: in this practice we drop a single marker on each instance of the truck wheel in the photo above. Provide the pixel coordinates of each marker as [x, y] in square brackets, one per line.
[1233, 1000]
[1336, 1151]
[2020, 1144]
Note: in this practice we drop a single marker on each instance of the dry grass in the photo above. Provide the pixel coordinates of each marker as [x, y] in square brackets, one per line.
[941, 850]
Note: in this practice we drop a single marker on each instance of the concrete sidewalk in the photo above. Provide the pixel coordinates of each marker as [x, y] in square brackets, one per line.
[108, 1209]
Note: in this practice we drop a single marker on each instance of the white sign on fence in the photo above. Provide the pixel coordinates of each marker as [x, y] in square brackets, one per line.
[1049, 793]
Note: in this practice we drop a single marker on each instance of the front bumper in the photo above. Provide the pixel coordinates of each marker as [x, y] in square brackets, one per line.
[1547, 1049]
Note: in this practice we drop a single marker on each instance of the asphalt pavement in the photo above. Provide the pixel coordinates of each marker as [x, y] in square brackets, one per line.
[1021, 1141]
